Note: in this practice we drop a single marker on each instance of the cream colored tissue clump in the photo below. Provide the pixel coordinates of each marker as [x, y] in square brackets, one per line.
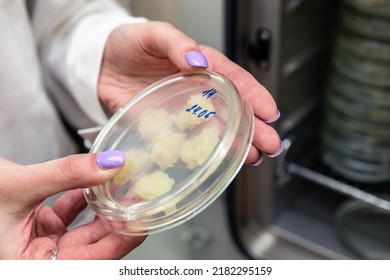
[137, 161]
[187, 120]
[153, 185]
[152, 122]
[166, 148]
[195, 151]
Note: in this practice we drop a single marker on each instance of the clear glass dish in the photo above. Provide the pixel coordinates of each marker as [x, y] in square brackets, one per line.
[360, 91]
[351, 105]
[379, 8]
[369, 71]
[186, 137]
[366, 25]
[355, 137]
[362, 46]
[358, 156]
[364, 229]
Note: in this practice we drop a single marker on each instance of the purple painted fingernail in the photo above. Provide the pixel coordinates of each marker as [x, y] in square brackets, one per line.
[110, 159]
[196, 59]
[278, 152]
[274, 119]
[259, 161]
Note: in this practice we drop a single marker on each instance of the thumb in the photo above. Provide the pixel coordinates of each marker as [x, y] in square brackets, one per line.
[42, 180]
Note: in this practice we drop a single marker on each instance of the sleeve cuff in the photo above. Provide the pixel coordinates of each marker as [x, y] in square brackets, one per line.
[85, 57]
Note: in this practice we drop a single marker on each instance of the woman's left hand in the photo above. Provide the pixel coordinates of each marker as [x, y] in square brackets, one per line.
[137, 55]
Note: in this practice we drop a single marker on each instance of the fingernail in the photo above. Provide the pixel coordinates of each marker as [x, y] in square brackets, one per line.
[278, 152]
[258, 162]
[274, 119]
[110, 159]
[196, 59]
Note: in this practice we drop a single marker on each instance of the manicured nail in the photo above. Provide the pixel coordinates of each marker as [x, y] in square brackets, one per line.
[274, 119]
[196, 59]
[110, 159]
[259, 161]
[278, 152]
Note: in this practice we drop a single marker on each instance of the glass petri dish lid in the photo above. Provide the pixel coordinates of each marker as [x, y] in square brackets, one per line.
[186, 138]
[379, 8]
[362, 46]
[369, 71]
[364, 229]
[360, 91]
[352, 107]
[366, 25]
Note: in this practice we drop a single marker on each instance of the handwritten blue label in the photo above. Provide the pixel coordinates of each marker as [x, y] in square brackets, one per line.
[208, 93]
[197, 109]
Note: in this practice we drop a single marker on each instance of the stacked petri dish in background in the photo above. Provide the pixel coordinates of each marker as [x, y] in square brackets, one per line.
[356, 133]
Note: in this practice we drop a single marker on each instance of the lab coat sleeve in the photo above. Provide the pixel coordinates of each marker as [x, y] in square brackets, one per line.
[71, 36]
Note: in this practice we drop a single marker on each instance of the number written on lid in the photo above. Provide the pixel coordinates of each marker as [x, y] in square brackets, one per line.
[200, 111]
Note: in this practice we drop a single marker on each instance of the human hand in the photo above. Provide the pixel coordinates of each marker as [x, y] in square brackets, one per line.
[32, 230]
[137, 55]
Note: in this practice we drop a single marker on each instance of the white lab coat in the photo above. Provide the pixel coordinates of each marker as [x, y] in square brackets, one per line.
[50, 54]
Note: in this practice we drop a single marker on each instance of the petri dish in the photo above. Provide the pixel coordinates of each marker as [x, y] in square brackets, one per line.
[371, 113]
[360, 91]
[355, 135]
[364, 229]
[369, 71]
[186, 138]
[362, 46]
[354, 159]
[366, 25]
[380, 8]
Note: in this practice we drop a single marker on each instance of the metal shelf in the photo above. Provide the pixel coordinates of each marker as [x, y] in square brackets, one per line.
[312, 169]
[336, 185]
